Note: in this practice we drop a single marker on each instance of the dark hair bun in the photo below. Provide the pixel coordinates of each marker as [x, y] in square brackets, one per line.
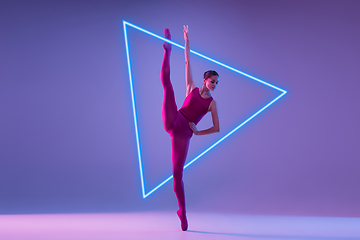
[210, 73]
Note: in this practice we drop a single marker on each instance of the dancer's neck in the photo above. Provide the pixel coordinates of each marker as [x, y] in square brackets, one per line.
[204, 92]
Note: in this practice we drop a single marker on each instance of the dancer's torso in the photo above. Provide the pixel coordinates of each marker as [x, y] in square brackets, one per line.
[195, 107]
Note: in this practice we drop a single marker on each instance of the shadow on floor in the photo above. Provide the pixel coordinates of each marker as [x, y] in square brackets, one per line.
[277, 236]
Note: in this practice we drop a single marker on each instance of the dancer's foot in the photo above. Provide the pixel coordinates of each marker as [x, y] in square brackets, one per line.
[167, 46]
[184, 223]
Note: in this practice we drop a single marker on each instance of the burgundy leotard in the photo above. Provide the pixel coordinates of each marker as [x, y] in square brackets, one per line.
[195, 107]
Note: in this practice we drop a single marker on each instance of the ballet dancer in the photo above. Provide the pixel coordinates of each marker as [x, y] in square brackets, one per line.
[181, 124]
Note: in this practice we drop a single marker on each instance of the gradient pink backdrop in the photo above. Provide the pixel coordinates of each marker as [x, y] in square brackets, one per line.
[67, 141]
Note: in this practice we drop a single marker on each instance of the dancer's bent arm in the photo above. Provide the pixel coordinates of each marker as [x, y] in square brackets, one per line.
[215, 119]
[190, 85]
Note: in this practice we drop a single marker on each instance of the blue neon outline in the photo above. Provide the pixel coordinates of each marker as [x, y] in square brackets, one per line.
[283, 92]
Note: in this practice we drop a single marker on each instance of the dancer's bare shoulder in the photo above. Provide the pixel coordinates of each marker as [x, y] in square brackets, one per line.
[212, 106]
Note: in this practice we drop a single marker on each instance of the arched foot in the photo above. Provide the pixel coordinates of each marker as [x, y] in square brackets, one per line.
[184, 223]
[167, 46]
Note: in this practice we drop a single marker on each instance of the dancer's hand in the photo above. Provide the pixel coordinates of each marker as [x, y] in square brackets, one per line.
[193, 127]
[186, 32]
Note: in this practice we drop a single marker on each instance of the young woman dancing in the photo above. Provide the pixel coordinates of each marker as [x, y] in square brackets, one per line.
[182, 124]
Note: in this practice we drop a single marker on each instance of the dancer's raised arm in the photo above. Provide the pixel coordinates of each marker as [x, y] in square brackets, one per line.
[190, 85]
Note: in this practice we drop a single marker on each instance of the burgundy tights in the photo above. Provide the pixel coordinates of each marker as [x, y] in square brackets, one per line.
[180, 133]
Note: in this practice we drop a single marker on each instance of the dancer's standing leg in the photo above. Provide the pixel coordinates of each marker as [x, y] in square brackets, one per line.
[180, 147]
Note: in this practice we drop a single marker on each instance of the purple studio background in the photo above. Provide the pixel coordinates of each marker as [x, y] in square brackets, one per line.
[67, 139]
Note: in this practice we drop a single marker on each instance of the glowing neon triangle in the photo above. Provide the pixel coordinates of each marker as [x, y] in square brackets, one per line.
[283, 92]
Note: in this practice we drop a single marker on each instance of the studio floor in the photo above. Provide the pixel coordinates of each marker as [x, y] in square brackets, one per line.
[166, 225]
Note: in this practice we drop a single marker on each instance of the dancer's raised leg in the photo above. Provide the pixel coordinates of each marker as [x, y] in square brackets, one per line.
[179, 144]
[169, 110]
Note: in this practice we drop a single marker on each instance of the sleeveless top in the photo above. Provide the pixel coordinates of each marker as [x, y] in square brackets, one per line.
[195, 107]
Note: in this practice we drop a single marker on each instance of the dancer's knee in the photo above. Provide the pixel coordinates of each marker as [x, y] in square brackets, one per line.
[178, 186]
[178, 172]
[168, 88]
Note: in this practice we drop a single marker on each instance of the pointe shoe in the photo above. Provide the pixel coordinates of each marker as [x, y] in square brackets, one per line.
[184, 223]
[167, 46]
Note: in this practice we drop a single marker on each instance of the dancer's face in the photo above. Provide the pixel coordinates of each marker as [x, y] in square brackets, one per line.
[211, 82]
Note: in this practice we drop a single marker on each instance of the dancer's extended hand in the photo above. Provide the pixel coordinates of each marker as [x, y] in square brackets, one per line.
[186, 32]
[193, 127]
